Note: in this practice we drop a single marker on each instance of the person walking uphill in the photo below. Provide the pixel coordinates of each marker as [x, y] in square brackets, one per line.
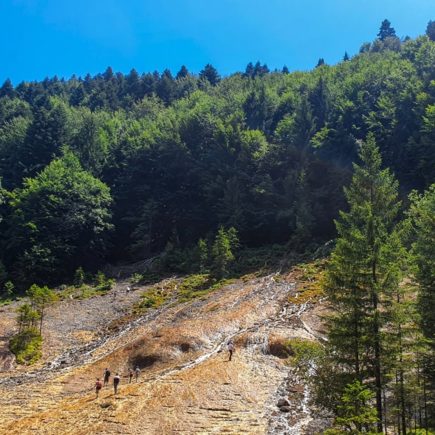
[116, 380]
[230, 348]
[106, 376]
[98, 386]
[137, 372]
[130, 375]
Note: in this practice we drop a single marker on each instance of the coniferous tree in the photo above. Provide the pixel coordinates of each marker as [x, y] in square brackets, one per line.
[210, 74]
[183, 73]
[363, 271]
[222, 252]
[7, 89]
[430, 30]
[355, 414]
[422, 214]
[386, 31]
[40, 298]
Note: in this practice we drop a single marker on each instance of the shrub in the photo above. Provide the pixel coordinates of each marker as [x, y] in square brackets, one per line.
[8, 289]
[26, 346]
[104, 284]
[152, 298]
[79, 277]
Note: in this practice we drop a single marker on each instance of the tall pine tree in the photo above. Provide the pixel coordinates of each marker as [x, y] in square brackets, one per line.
[363, 271]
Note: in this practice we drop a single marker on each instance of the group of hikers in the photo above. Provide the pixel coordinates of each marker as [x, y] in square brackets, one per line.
[116, 379]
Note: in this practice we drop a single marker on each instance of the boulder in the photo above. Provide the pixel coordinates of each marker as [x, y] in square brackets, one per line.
[282, 402]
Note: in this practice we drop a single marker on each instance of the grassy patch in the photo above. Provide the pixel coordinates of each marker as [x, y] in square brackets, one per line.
[199, 285]
[6, 301]
[310, 282]
[83, 292]
[304, 353]
[27, 346]
[154, 297]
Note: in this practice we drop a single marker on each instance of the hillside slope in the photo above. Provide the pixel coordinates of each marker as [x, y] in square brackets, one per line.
[187, 384]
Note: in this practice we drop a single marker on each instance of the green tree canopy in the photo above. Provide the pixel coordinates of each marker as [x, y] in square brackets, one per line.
[59, 217]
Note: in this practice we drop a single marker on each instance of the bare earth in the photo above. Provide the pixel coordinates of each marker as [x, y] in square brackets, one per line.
[187, 384]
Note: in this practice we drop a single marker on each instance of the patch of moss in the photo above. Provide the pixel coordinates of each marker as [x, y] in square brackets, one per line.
[83, 292]
[27, 346]
[310, 285]
[199, 285]
[154, 297]
[304, 353]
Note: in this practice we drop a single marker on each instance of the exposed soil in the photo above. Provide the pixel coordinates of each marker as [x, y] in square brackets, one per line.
[187, 385]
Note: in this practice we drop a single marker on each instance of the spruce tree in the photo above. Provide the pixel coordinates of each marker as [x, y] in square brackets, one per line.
[422, 214]
[430, 30]
[363, 271]
[386, 31]
[210, 74]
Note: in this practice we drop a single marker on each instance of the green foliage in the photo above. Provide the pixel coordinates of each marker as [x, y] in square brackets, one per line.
[356, 414]
[193, 286]
[222, 252]
[79, 277]
[3, 274]
[154, 297]
[136, 278]
[430, 30]
[306, 355]
[386, 31]
[266, 152]
[103, 284]
[202, 253]
[27, 317]
[364, 270]
[71, 201]
[8, 289]
[198, 285]
[26, 346]
[210, 74]
[422, 212]
[40, 298]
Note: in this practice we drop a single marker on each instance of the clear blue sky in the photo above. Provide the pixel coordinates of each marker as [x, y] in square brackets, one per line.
[43, 38]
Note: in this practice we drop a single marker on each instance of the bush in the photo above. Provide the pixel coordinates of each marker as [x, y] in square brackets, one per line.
[79, 277]
[104, 284]
[27, 346]
[154, 298]
[7, 290]
[136, 278]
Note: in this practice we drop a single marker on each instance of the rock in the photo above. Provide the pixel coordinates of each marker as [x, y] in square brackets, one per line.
[282, 402]
[285, 409]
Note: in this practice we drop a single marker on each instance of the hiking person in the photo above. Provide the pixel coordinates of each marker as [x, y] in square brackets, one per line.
[130, 375]
[106, 376]
[230, 348]
[116, 380]
[137, 372]
[98, 386]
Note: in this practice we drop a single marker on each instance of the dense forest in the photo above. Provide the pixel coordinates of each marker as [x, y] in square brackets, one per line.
[116, 166]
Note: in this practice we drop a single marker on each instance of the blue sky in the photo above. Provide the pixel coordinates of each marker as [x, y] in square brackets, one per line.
[43, 38]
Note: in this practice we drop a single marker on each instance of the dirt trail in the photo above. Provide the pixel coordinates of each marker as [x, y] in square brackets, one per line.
[187, 385]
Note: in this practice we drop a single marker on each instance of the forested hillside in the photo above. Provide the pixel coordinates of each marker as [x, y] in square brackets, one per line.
[115, 166]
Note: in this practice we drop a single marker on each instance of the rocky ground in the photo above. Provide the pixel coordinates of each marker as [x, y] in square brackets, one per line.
[187, 384]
